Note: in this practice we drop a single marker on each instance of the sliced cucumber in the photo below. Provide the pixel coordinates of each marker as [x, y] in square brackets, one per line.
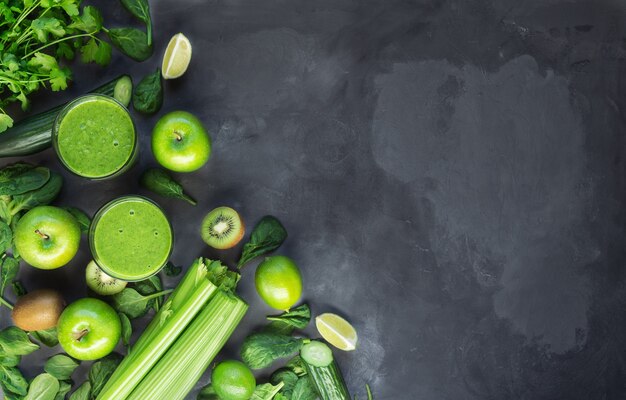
[324, 371]
[123, 90]
[317, 354]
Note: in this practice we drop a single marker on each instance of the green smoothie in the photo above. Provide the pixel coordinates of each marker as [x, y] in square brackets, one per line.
[131, 238]
[94, 137]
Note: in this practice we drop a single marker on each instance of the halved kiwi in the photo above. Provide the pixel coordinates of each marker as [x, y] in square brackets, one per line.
[222, 228]
[100, 282]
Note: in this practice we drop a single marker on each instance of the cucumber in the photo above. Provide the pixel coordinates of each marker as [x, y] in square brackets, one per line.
[34, 134]
[324, 371]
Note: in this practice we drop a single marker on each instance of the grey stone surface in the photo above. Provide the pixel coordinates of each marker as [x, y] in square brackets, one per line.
[451, 173]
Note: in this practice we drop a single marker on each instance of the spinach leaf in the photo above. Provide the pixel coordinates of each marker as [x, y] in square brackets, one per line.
[8, 173]
[83, 219]
[150, 286]
[172, 270]
[64, 388]
[127, 329]
[260, 350]
[60, 366]
[82, 393]
[141, 10]
[27, 180]
[14, 342]
[12, 381]
[132, 42]
[41, 196]
[101, 371]
[9, 361]
[8, 273]
[266, 391]
[297, 366]
[267, 236]
[160, 182]
[18, 288]
[132, 303]
[304, 390]
[6, 237]
[298, 317]
[207, 393]
[148, 94]
[43, 387]
[47, 337]
[287, 377]
[279, 328]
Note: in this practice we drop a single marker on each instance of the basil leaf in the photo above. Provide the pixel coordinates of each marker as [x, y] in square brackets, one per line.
[267, 236]
[14, 342]
[6, 237]
[160, 182]
[148, 94]
[172, 270]
[27, 180]
[9, 361]
[127, 329]
[132, 42]
[43, 387]
[82, 393]
[60, 366]
[207, 393]
[141, 10]
[298, 317]
[41, 196]
[101, 371]
[12, 381]
[8, 273]
[83, 219]
[304, 390]
[260, 350]
[287, 377]
[47, 337]
[64, 389]
[266, 391]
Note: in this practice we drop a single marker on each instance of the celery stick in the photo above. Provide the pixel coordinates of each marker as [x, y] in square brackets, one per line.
[165, 328]
[176, 373]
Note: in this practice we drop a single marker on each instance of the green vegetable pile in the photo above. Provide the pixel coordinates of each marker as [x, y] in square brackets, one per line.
[38, 37]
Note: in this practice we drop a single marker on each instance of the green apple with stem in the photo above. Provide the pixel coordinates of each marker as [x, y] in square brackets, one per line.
[180, 143]
[47, 237]
[89, 329]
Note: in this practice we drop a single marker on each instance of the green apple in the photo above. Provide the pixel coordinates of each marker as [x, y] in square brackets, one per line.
[47, 237]
[89, 329]
[180, 142]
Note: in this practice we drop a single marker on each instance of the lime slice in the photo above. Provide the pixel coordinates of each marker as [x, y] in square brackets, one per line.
[336, 331]
[176, 58]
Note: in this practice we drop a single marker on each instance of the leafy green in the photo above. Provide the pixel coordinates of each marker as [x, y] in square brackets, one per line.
[60, 366]
[132, 303]
[141, 10]
[38, 197]
[287, 377]
[8, 273]
[101, 371]
[83, 219]
[127, 329]
[12, 381]
[160, 182]
[132, 42]
[150, 286]
[221, 276]
[6, 237]
[18, 288]
[260, 350]
[207, 393]
[64, 388]
[304, 390]
[47, 337]
[43, 387]
[297, 366]
[148, 94]
[14, 341]
[25, 181]
[82, 393]
[266, 391]
[267, 236]
[279, 328]
[298, 317]
[172, 270]
[9, 361]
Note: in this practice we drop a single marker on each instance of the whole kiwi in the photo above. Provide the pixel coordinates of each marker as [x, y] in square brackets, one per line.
[38, 310]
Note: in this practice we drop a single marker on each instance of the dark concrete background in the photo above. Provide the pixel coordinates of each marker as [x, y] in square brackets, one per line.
[451, 174]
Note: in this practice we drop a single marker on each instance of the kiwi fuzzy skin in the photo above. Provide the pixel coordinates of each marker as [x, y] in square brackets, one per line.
[38, 310]
[225, 242]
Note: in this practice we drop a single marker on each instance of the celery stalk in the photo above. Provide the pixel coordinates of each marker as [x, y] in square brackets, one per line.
[178, 311]
[176, 373]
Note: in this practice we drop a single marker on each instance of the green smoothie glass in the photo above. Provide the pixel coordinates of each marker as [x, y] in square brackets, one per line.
[131, 238]
[94, 137]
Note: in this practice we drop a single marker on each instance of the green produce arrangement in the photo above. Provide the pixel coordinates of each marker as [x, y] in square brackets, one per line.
[131, 238]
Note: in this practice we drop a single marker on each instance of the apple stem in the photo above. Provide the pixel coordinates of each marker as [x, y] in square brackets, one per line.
[81, 334]
[6, 303]
[179, 137]
[43, 235]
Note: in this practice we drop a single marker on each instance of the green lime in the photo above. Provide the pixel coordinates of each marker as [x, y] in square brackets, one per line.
[278, 282]
[233, 380]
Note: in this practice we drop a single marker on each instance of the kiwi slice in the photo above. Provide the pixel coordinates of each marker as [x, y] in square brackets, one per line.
[100, 282]
[222, 228]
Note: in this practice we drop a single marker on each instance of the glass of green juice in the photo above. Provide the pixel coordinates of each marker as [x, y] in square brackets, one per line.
[94, 137]
[131, 238]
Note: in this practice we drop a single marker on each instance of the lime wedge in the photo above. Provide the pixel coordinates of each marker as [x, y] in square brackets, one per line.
[336, 331]
[176, 58]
